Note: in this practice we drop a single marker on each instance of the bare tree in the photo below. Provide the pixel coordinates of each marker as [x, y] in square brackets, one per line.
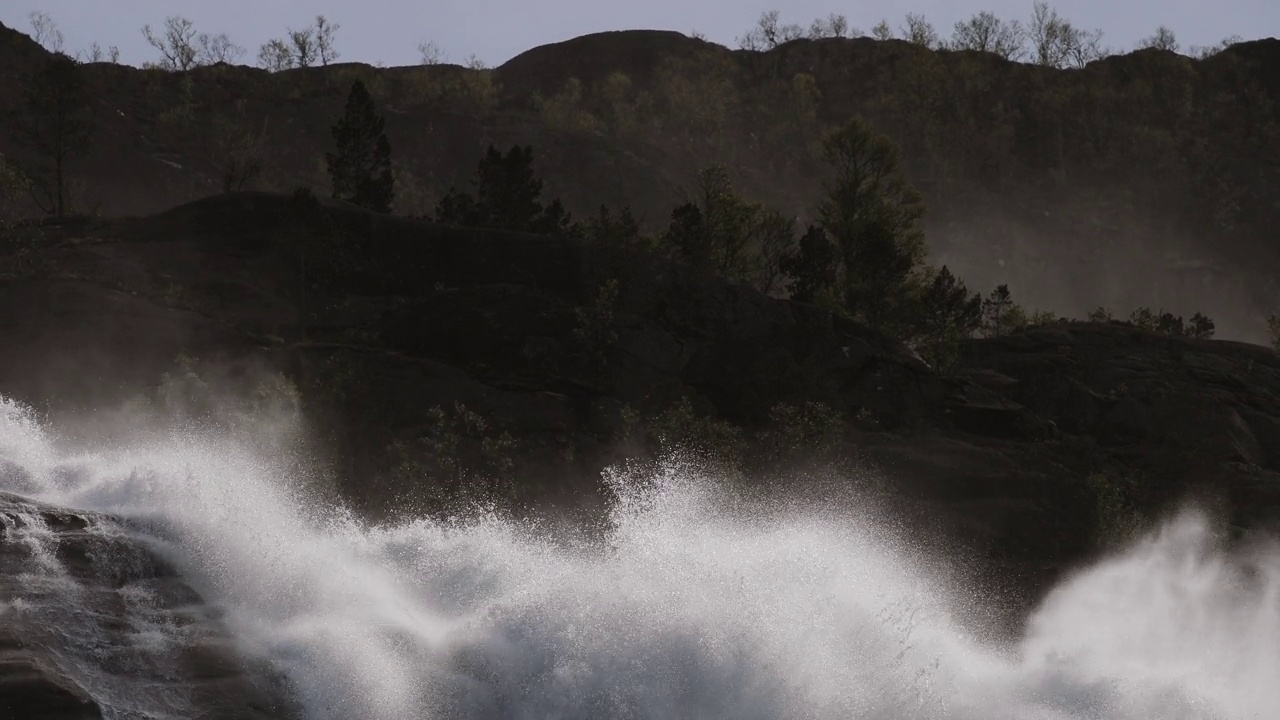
[275, 56]
[45, 32]
[985, 32]
[301, 48]
[305, 49]
[882, 31]
[95, 54]
[1163, 39]
[182, 48]
[919, 31]
[214, 49]
[769, 34]
[1205, 51]
[430, 53]
[832, 26]
[1055, 42]
[176, 44]
[1084, 47]
[324, 40]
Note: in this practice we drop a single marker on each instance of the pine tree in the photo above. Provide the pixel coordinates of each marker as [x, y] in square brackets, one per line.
[361, 167]
[948, 309]
[814, 266]
[508, 197]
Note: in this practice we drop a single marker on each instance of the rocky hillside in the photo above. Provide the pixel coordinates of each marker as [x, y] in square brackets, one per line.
[1036, 451]
[1147, 179]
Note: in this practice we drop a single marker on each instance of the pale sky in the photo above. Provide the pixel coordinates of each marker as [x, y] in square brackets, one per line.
[495, 30]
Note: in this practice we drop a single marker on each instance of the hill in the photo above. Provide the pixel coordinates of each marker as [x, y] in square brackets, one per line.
[434, 360]
[1142, 180]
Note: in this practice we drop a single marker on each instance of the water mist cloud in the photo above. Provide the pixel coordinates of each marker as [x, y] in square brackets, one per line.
[693, 599]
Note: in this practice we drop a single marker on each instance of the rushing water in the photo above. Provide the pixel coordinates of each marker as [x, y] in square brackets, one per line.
[692, 602]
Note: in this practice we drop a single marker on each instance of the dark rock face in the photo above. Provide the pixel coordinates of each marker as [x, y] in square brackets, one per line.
[95, 624]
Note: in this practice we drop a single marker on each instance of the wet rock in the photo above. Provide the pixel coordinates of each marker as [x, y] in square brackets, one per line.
[77, 590]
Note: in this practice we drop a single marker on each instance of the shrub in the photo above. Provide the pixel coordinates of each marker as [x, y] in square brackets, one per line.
[458, 455]
[1117, 520]
[565, 110]
[471, 90]
[681, 428]
[596, 330]
[811, 429]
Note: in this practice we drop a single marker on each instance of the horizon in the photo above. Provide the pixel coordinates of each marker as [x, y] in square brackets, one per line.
[361, 38]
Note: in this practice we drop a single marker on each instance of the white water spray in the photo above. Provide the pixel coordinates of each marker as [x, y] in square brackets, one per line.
[693, 602]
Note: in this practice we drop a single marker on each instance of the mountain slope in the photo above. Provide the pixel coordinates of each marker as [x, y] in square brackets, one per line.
[1146, 179]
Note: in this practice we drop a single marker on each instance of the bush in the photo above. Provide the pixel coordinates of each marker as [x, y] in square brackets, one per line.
[565, 111]
[457, 456]
[474, 91]
[809, 430]
[596, 330]
[1117, 520]
[680, 428]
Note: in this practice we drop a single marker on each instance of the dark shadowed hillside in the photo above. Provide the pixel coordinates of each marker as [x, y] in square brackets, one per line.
[1142, 180]
[1035, 451]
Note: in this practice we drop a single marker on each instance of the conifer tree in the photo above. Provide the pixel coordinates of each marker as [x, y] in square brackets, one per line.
[508, 197]
[361, 167]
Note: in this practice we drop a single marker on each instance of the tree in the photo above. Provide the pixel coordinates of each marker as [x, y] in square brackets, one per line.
[301, 48]
[777, 240]
[768, 34]
[56, 124]
[872, 213]
[430, 53]
[948, 314]
[1166, 323]
[275, 55]
[95, 54]
[722, 234]
[325, 47]
[13, 183]
[1055, 42]
[711, 229]
[361, 167]
[237, 148]
[813, 266]
[832, 26]
[508, 197]
[45, 32]
[919, 31]
[985, 32]
[1204, 51]
[1163, 39]
[882, 31]
[182, 48]
[1000, 314]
